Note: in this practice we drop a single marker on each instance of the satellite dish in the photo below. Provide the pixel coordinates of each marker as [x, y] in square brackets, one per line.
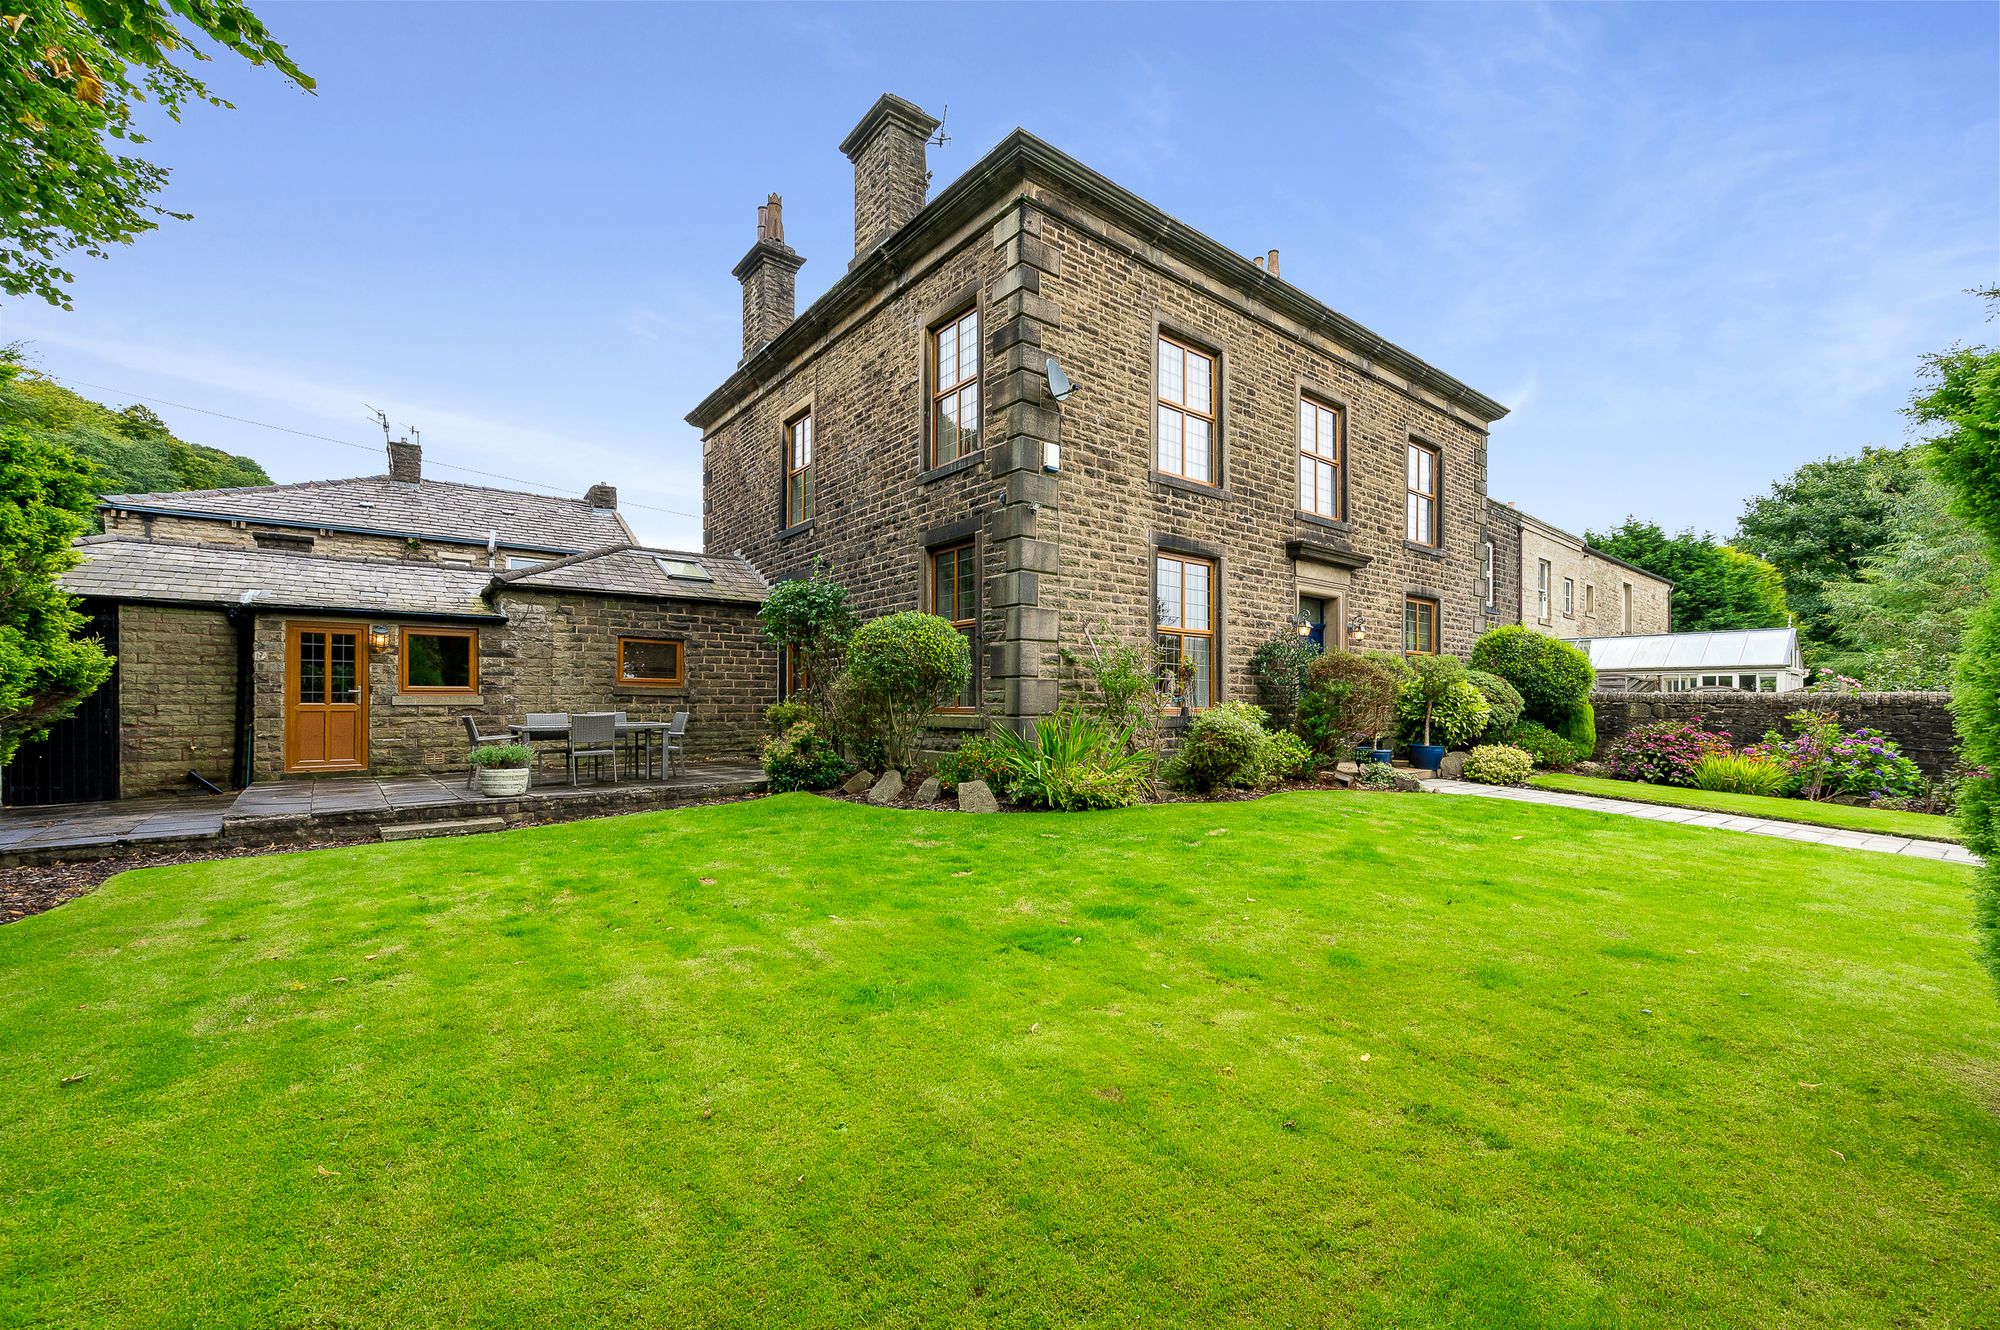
[1059, 384]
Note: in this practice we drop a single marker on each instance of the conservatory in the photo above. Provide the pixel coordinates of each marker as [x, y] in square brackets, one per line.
[1756, 660]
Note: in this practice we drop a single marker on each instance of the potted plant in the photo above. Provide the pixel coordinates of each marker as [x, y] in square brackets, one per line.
[1438, 701]
[503, 769]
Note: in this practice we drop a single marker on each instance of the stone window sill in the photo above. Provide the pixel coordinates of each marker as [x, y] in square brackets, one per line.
[1428, 551]
[1326, 523]
[792, 532]
[646, 689]
[437, 700]
[965, 463]
[1165, 481]
[955, 720]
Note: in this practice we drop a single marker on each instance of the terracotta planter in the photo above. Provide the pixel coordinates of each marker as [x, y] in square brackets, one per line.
[500, 782]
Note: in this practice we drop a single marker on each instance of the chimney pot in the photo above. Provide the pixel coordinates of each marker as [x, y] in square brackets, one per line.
[406, 461]
[1259, 261]
[601, 495]
[1272, 266]
[768, 273]
[891, 179]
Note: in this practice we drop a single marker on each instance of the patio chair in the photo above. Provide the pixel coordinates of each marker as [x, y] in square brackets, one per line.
[479, 740]
[549, 722]
[674, 741]
[593, 734]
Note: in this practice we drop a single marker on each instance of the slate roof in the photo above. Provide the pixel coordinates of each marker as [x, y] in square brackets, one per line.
[1738, 649]
[635, 570]
[438, 510]
[184, 572]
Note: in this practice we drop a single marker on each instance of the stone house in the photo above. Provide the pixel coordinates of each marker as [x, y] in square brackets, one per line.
[1554, 583]
[1042, 408]
[350, 625]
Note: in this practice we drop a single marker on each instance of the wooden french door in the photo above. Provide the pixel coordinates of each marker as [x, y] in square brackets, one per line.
[326, 697]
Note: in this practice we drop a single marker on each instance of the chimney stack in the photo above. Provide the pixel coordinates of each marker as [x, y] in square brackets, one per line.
[1258, 259]
[406, 461]
[601, 495]
[1272, 266]
[891, 180]
[768, 274]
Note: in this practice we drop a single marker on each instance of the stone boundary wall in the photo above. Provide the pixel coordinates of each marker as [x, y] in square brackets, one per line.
[1920, 723]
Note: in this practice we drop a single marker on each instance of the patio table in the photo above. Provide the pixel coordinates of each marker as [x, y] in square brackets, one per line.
[650, 733]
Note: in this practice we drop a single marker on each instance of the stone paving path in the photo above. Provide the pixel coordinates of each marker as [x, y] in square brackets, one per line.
[1695, 817]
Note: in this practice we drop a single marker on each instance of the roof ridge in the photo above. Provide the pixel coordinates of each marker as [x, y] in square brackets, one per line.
[261, 552]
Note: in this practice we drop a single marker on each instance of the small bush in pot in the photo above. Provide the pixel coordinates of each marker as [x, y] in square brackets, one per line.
[1439, 707]
[1498, 764]
[503, 769]
[1224, 745]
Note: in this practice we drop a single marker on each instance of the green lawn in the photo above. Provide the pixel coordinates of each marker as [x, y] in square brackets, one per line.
[1319, 1059]
[1882, 821]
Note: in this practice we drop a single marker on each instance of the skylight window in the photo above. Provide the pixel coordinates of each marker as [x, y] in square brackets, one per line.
[687, 569]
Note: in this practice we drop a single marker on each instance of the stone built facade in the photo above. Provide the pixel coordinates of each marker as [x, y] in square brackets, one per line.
[1566, 588]
[1063, 504]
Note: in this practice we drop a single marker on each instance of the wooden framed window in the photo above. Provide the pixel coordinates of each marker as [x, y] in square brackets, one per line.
[1186, 412]
[954, 373]
[1486, 573]
[1569, 597]
[651, 662]
[1322, 459]
[954, 597]
[1544, 571]
[799, 470]
[1420, 626]
[792, 679]
[1420, 506]
[1184, 615]
[440, 660]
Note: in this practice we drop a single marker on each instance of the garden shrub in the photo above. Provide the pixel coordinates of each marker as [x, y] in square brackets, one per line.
[1664, 752]
[1438, 703]
[803, 758]
[1938, 796]
[781, 716]
[1348, 698]
[978, 758]
[809, 617]
[1502, 698]
[1553, 677]
[1580, 728]
[1285, 757]
[1743, 773]
[504, 756]
[1826, 761]
[1224, 745]
[1498, 764]
[1375, 776]
[1550, 750]
[1073, 762]
[1279, 667]
[906, 666]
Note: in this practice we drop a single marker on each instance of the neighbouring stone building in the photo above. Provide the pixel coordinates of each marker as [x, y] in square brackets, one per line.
[1228, 456]
[1557, 584]
[350, 626]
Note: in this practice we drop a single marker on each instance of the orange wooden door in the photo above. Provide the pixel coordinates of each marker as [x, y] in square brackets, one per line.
[326, 698]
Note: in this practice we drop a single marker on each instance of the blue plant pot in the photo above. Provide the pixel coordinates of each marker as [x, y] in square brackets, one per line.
[1385, 756]
[1427, 757]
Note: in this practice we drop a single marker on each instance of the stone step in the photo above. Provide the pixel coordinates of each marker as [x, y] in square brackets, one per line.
[464, 826]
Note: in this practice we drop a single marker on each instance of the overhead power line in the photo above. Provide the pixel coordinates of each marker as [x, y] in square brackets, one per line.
[349, 443]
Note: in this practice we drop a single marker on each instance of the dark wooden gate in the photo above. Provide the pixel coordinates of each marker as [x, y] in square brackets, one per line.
[79, 759]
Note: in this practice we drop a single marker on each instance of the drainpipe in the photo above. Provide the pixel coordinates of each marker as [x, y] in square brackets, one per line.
[243, 618]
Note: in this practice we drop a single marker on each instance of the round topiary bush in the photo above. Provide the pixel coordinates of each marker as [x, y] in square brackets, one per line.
[1498, 764]
[1502, 698]
[1224, 745]
[1553, 677]
[905, 666]
[1348, 698]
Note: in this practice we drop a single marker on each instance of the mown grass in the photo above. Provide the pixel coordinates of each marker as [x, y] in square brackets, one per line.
[1880, 821]
[1319, 1059]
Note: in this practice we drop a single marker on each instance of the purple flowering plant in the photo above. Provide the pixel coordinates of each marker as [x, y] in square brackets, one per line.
[1828, 761]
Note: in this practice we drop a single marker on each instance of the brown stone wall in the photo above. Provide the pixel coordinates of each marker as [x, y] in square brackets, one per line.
[345, 544]
[1503, 528]
[1588, 615]
[555, 653]
[176, 697]
[1920, 723]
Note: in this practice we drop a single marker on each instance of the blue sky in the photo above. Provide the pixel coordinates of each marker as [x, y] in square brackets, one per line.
[1691, 246]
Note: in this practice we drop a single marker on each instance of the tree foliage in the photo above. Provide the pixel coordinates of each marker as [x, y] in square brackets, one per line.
[1898, 623]
[72, 73]
[1553, 678]
[907, 665]
[1716, 586]
[1821, 525]
[1960, 401]
[130, 451]
[810, 617]
[45, 667]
